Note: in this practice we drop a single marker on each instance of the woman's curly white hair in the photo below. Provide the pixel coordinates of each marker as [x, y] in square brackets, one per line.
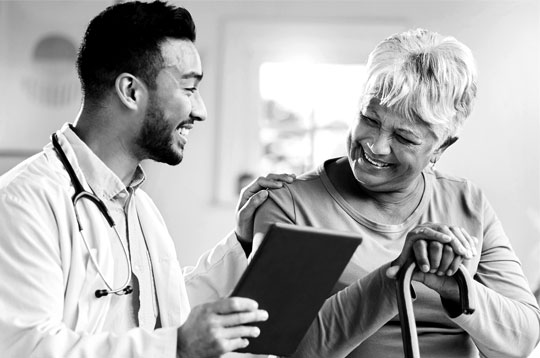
[423, 76]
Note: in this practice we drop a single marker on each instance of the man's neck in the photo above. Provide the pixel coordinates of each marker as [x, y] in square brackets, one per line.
[108, 144]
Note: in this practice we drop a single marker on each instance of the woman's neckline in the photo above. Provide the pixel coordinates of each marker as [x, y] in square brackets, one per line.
[368, 204]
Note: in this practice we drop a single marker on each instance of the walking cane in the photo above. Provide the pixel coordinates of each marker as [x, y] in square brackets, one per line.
[405, 307]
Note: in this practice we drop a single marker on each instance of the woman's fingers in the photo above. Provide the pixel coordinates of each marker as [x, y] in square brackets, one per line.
[421, 255]
[435, 250]
[462, 243]
[429, 233]
[472, 240]
[454, 266]
[432, 256]
[436, 246]
[467, 245]
[447, 257]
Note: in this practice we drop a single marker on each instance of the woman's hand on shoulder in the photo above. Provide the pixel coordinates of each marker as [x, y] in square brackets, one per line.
[438, 251]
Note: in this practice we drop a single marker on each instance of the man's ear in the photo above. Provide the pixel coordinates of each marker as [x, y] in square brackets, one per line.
[130, 90]
[447, 143]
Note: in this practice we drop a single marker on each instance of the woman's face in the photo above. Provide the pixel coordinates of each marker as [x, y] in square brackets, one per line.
[386, 152]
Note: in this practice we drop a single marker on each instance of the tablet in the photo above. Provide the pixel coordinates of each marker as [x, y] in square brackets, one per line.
[290, 276]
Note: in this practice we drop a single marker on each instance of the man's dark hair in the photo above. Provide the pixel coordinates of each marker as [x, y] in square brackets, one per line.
[126, 37]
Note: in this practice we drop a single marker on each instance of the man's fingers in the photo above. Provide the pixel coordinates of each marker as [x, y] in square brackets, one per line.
[244, 216]
[266, 183]
[288, 178]
[236, 343]
[252, 203]
[234, 304]
[240, 332]
[237, 319]
[271, 181]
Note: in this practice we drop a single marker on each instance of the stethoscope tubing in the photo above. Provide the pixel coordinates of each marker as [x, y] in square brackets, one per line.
[80, 194]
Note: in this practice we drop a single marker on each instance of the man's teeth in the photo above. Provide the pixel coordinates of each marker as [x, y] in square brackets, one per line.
[375, 163]
[183, 131]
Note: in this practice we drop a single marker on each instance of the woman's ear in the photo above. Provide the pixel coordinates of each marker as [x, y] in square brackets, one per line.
[130, 90]
[439, 151]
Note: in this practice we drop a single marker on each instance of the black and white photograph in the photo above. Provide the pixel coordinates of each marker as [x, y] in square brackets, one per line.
[270, 178]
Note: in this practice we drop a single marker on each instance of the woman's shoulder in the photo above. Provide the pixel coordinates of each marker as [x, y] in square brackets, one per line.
[450, 184]
[306, 185]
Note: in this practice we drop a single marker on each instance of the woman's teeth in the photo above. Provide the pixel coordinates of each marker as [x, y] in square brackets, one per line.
[374, 162]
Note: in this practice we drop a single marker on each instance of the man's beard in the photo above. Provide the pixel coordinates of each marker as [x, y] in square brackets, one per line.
[155, 138]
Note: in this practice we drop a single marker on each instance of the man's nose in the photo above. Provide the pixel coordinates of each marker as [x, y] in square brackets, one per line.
[198, 109]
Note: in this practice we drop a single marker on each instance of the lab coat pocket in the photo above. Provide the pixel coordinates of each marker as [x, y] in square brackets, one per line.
[91, 310]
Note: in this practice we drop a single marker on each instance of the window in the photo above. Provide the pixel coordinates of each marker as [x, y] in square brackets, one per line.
[307, 110]
[288, 92]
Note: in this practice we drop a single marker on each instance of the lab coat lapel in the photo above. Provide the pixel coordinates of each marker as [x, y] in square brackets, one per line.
[169, 282]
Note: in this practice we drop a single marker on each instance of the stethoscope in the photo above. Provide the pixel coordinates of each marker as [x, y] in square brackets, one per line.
[79, 194]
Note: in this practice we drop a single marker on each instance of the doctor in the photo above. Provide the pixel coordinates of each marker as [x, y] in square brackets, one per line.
[87, 265]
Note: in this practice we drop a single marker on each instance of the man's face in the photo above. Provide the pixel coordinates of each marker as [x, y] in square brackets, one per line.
[386, 152]
[174, 105]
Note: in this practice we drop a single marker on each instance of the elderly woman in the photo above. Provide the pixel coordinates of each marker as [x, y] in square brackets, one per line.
[420, 88]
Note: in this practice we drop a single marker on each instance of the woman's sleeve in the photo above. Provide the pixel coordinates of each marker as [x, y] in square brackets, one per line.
[506, 322]
[351, 316]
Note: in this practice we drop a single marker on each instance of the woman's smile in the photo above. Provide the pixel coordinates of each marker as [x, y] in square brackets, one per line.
[374, 162]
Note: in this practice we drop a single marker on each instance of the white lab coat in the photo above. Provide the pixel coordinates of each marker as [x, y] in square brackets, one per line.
[47, 281]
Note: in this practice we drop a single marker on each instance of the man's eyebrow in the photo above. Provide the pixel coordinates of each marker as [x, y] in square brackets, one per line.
[198, 76]
[185, 76]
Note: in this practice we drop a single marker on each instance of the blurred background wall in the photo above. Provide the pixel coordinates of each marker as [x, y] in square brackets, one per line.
[499, 148]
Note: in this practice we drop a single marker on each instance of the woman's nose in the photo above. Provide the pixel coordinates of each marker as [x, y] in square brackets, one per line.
[380, 145]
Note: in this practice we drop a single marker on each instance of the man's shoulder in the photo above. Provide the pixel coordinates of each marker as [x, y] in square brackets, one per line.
[38, 173]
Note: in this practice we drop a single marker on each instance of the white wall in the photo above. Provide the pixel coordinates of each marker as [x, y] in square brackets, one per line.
[499, 148]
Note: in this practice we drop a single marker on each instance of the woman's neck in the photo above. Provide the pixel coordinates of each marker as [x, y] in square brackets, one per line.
[384, 207]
